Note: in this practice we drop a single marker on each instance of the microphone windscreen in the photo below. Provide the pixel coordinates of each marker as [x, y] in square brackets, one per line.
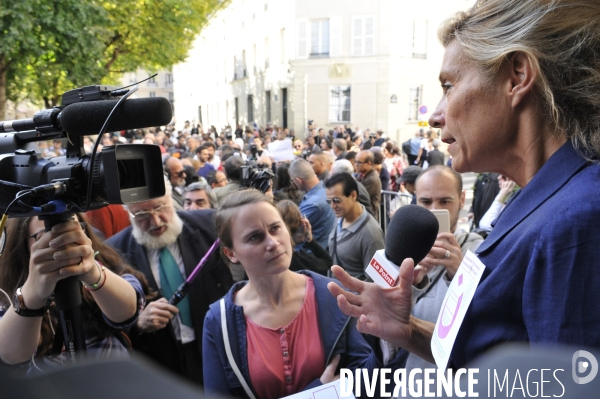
[87, 118]
[410, 234]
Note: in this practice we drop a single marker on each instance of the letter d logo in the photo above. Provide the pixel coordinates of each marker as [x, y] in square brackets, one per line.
[582, 366]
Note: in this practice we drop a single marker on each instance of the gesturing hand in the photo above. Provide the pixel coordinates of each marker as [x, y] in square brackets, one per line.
[382, 312]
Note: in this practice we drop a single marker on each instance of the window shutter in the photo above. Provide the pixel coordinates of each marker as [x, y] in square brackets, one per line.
[369, 36]
[420, 39]
[357, 35]
[302, 36]
[335, 36]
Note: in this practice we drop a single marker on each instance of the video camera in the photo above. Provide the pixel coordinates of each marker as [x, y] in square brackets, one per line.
[77, 182]
[55, 188]
[258, 176]
[305, 154]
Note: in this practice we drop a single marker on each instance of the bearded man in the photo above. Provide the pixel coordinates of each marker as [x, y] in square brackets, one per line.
[166, 246]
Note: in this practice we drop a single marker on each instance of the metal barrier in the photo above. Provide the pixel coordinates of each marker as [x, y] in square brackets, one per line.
[390, 202]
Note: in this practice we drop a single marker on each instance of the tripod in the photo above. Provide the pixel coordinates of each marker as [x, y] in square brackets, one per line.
[67, 297]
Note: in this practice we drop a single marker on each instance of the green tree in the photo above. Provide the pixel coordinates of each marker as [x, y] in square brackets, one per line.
[153, 34]
[50, 46]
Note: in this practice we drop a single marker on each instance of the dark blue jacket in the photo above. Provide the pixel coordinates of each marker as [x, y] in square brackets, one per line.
[542, 278]
[213, 282]
[338, 334]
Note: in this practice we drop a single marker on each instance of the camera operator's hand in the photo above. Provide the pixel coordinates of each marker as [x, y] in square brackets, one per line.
[156, 316]
[63, 252]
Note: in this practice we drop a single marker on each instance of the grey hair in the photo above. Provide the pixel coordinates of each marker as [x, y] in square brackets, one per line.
[203, 185]
[340, 144]
[342, 166]
[561, 38]
[302, 169]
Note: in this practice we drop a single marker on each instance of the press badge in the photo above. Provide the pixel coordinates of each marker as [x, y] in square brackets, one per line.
[458, 298]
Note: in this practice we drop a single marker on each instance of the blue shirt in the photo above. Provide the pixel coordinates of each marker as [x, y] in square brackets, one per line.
[203, 171]
[415, 144]
[318, 212]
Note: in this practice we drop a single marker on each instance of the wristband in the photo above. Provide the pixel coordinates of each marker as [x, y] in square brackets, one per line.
[98, 284]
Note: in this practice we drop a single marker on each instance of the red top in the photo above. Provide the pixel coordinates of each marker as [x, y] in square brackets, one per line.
[109, 219]
[283, 361]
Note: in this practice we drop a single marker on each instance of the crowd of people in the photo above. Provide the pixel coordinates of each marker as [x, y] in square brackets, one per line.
[260, 319]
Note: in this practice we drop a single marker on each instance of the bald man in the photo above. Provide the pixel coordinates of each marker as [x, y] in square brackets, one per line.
[321, 164]
[176, 174]
[314, 203]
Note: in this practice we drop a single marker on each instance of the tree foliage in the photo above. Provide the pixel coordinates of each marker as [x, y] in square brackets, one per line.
[50, 46]
[64, 48]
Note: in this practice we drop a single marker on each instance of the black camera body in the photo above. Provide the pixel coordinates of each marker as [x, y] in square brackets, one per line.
[256, 176]
[120, 174]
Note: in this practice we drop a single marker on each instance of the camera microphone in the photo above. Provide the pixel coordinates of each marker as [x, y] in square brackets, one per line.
[410, 234]
[87, 118]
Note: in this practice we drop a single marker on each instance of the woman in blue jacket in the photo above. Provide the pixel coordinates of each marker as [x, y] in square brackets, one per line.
[520, 83]
[283, 330]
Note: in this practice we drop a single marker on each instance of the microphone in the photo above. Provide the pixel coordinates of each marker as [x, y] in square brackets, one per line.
[410, 234]
[182, 290]
[87, 118]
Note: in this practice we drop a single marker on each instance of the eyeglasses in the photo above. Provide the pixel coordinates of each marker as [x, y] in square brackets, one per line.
[360, 162]
[335, 200]
[145, 215]
[179, 174]
[37, 235]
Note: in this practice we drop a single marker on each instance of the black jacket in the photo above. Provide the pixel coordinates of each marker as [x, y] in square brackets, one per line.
[212, 283]
[318, 261]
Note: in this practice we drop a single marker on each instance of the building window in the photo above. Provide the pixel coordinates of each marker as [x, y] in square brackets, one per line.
[152, 94]
[250, 108]
[254, 59]
[243, 63]
[152, 81]
[363, 31]
[414, 100]
[319, 38]
[268, 104]
[339, 104]
[282, 45]
[236, 111]
[420, 38]
[171, 97]
[168, 79]
[266, 52]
